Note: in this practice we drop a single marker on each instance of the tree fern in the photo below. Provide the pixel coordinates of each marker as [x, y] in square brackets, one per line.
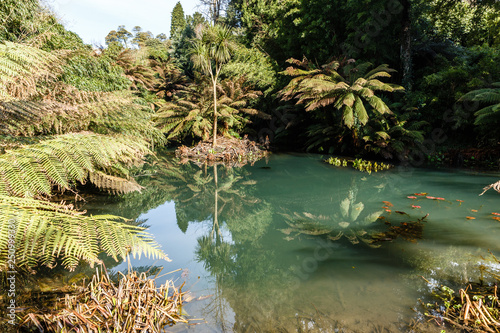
[106, 114]
[33, 170]
[20, 68]
[188, 114]
[349, 93]
[236, 96]
[44, 232]
[489, 97]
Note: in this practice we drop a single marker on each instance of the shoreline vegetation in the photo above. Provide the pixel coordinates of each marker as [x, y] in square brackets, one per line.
[229, 151]
[131, 304]
[475, 307]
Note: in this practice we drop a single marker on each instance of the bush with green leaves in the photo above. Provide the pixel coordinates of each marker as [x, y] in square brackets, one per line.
[94, 73]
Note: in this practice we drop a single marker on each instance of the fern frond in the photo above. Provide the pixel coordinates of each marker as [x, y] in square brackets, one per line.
[31, 171]
[44, 231]
[104, 113]
[21, 67]
[115, 185]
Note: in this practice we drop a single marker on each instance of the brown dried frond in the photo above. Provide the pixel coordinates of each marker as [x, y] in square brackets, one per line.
[29, 118]
[112, 184]
[22, 67]
[68, 94]
[495, 186]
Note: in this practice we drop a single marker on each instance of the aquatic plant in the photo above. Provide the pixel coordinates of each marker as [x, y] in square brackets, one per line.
[359, 164]
[134, 304]
[474, 308]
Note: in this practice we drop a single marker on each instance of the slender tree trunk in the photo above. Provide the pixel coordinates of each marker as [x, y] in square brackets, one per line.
[406, 58]
[215, 113]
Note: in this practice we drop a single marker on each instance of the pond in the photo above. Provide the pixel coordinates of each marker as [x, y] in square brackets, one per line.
[292, 243]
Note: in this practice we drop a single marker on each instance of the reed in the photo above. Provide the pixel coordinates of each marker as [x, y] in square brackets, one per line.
[133, 304]
[476, 309]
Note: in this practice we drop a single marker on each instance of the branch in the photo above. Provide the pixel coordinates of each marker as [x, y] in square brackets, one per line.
[495, 186]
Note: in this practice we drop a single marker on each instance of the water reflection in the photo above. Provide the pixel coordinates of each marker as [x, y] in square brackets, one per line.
[299, 245]
[261, 275]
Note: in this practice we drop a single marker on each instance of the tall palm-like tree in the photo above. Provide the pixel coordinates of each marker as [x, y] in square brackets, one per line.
[348, 93]
[211, 49]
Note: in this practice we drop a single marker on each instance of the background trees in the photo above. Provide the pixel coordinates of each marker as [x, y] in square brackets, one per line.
[177, 21]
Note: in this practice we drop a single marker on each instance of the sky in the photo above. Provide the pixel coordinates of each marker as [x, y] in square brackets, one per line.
[92, 20]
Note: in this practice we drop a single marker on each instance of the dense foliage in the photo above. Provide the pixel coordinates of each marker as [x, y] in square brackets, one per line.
[68, 117]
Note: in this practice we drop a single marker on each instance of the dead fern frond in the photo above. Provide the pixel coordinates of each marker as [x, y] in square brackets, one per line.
[108, 114]
[112, 184]
[21, 67]
[495, 186]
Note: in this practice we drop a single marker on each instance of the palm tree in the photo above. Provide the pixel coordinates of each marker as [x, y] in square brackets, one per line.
[212, 48]
[348, 93]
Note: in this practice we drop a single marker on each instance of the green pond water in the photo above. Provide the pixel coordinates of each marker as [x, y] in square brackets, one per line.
[294, 244]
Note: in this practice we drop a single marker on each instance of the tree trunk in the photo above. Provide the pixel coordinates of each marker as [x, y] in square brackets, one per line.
[406, 45]
[215, 113]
